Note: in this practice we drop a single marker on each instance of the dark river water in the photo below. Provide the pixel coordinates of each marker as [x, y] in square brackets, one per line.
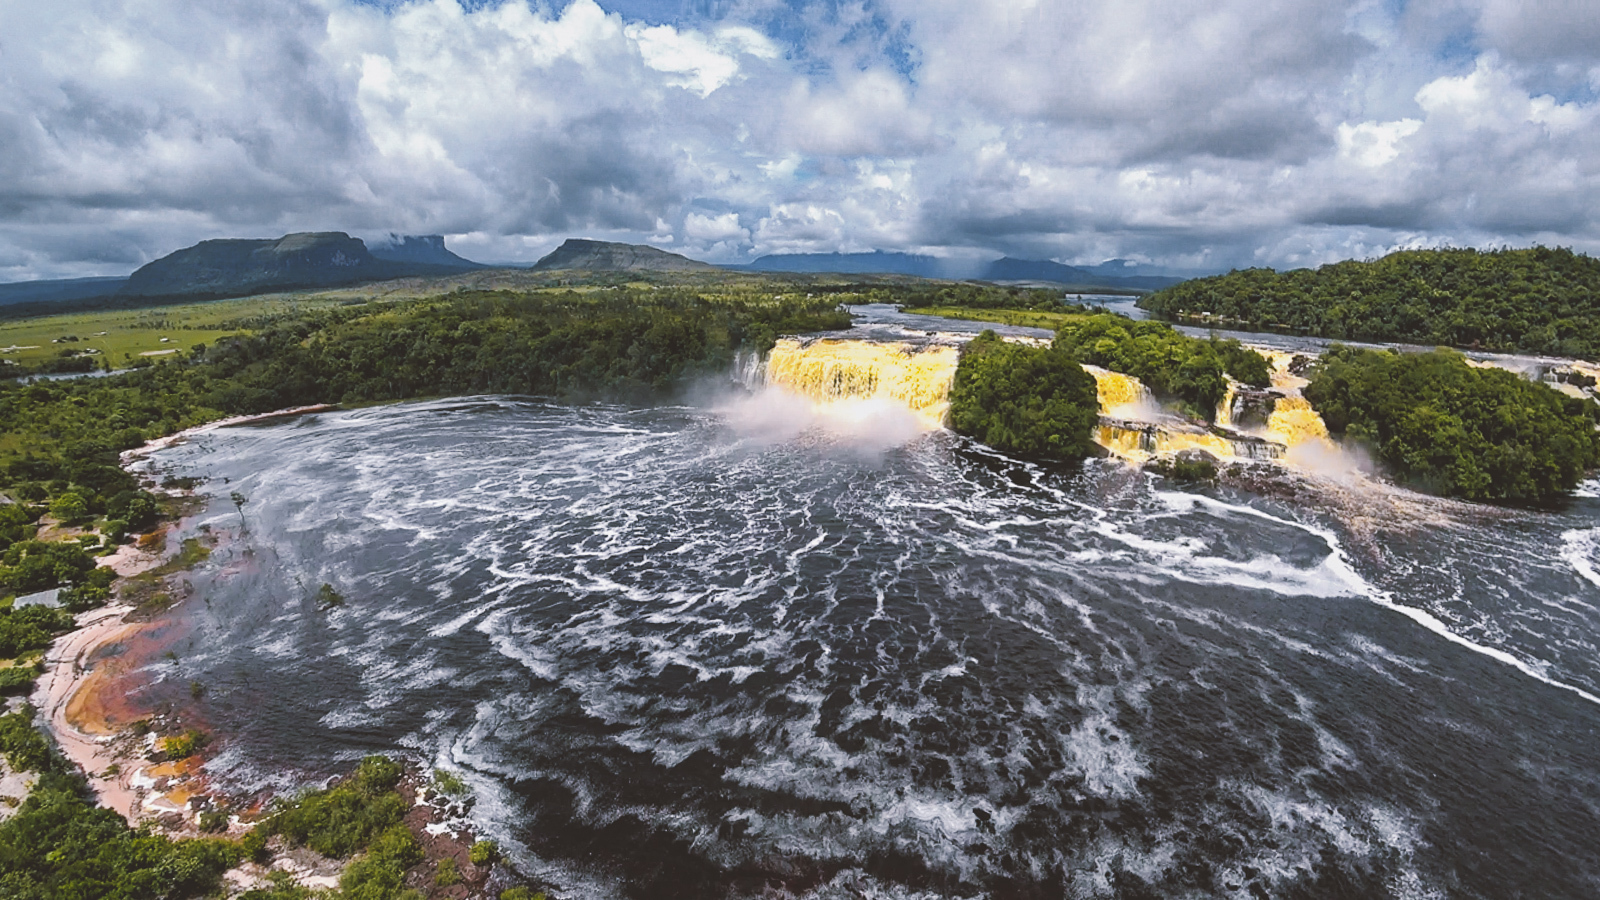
[681, 652]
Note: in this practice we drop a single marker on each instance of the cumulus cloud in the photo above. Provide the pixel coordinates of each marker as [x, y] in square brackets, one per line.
[1199, 132]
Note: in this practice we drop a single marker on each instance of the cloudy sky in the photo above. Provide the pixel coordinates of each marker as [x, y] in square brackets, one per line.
[1194, 133]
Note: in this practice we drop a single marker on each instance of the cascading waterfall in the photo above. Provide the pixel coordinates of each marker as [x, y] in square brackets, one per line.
[831, 371]
[1131, 428]
[1140, 441]
[1224, 417]
[1294, 422]
[1118, 392]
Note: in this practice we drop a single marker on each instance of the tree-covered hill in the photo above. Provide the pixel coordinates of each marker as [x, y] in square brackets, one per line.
[1449, 428]
[1538, 300]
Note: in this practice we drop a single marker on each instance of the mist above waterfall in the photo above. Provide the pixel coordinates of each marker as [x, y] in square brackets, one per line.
[773, 414]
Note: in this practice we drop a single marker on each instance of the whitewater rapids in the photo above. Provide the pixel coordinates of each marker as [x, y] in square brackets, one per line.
[677, 657]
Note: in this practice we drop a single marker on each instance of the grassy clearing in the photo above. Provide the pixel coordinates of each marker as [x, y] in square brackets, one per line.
[121, 335]
[1025, 317]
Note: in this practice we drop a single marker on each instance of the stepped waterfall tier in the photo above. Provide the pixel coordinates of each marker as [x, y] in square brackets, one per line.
[1118, 391]
[831, 371]
[1132, 428]
[918, 375]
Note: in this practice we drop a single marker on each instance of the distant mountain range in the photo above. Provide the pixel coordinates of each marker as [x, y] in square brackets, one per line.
[59, 290]
[239, 267]
[875, 263]
[311, 260]
[427, 249]
[1114, 274]
[1009, 269]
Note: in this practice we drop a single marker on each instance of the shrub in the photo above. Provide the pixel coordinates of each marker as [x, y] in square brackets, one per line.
[59, 845]
[213, 821]
[449, 784]
[344, 819]
[380, 874]
[482, 853]
[183, 746]
[18, 679]
[328, 598]
[378, 775]
[24, 747]
[69, 508]
[254, 845]
[30, 628]
[448, 873]
[29, 566]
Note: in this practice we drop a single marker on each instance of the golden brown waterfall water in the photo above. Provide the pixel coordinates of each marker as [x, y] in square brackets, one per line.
[1137, 443]
[830, 371]
[1224, 415]
[1294, 422]
[1117, 390]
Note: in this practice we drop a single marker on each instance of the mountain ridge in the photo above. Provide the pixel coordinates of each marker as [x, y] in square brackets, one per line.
[243, 266]
[583, 254]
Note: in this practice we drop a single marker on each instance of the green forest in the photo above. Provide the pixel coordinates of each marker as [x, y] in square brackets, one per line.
[1172, 365]
[1452, 429]
[60, 441]
[1538, 300]
[1039, 402]
[60, 846]
[1032, 401]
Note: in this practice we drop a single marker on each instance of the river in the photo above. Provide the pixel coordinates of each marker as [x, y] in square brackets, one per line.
[739, 649]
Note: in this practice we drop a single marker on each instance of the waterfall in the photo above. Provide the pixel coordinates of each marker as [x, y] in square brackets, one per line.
[1294, 422]
[1141, 441]
[1118, 391]
[831, 370]
[749, 369]
[1224, 416]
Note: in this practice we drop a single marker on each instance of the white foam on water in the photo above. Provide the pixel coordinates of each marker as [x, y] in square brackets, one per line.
[1340, 577]
[1434, 624]
[1579, 547]
[1103, 753]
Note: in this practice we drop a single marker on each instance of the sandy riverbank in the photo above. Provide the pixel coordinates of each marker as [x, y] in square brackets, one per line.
[92, 746]
[82, 695]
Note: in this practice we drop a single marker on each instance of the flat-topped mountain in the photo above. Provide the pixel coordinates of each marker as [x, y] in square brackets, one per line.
[609, 256]
[428, 249]
[243, 266]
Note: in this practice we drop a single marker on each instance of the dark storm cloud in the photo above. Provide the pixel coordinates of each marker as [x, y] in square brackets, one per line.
[1215, 132]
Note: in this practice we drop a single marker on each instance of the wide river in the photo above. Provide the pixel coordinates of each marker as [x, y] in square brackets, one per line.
[734, 650]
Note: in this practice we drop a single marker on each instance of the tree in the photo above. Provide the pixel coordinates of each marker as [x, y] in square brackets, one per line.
[69, 508]
[239, 500]
[1449, 428]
